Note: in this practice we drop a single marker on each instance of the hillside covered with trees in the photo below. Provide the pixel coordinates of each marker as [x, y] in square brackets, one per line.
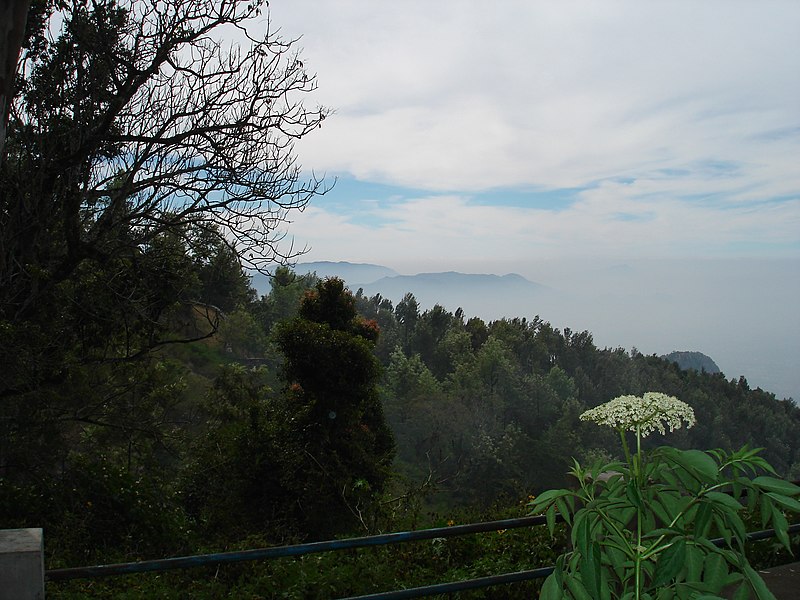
[151, 403]
[312, 411]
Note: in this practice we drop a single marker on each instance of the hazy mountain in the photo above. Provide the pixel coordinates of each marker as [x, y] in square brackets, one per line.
[351, 272]
[693, 360]
[738, 311]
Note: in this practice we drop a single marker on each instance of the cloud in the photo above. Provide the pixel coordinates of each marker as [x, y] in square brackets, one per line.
[611, 220]
[676, 124]
[466, 95]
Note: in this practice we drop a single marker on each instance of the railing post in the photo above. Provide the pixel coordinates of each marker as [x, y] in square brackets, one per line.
[21, 564]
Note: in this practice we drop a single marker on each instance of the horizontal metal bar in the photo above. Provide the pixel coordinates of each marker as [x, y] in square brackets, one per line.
[467, 584]
[457, 586]
[182, 562]
[200, 560]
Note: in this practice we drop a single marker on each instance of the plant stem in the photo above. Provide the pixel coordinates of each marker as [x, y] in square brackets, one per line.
[637, 476]
[625, 448]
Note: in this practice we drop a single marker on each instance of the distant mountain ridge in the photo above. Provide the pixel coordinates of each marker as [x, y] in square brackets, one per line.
[451, 289]
[350, 272]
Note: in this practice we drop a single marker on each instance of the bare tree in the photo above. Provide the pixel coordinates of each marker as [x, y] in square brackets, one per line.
[138, 117]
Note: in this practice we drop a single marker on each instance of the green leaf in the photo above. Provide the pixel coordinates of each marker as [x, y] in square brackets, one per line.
[780, 486]
[715, 571]
[702, 463]
[551, 590]
[723, 529]
[702, 521]
[547, 497]
[766, 510]
[781, 526]
[758, 585]
[562, 508]
[734, 521]
[694, 562]
[581, 536]
[577, 589]
[590, 570]
[660, 512]
[724, 499]
[550, 516]
[605, 586]
[785, 501]
[752, 499]
[670, 562]
[633, 495]
[743, 593]
[665, 593]
[759, 462]
[616, 558]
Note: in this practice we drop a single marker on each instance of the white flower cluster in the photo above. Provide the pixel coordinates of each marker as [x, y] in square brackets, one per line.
[654, 411]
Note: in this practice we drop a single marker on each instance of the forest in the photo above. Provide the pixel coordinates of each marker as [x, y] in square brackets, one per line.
[152, 404]
[313, 412]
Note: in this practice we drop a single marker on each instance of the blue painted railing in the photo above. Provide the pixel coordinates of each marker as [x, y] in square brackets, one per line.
[219, 558]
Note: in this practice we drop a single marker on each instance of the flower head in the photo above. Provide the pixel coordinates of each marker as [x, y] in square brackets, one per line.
[654, 411]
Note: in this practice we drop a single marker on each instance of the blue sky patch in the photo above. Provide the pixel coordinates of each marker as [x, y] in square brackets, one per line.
[553, 200]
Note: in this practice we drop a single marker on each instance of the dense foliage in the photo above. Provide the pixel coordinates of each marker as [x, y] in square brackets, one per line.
[482, 416]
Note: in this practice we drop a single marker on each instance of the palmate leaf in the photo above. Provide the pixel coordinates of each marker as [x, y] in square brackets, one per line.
[660, 512]
[673, 503]
[670, 563]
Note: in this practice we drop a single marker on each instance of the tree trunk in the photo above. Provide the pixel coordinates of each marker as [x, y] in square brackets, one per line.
[13, 17]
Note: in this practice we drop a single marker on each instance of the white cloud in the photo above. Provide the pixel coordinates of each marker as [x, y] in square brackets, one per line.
[681, 119]
[612, 220]
[466, 95]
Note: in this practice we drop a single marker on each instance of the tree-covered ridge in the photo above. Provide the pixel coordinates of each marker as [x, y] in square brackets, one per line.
[491, 408]
[283, 423]
[693, 360]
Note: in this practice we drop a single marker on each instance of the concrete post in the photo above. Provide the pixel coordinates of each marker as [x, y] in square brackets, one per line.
[21, 564]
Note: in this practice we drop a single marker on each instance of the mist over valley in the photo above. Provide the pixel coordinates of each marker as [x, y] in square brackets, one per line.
[741, 313]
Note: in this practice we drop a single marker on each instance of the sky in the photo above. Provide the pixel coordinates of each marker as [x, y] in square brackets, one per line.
[475, 133]
[566, 141]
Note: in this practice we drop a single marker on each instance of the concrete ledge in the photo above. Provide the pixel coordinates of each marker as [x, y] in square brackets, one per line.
[21, 564]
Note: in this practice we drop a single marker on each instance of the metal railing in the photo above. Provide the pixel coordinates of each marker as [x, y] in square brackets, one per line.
[296, 550]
